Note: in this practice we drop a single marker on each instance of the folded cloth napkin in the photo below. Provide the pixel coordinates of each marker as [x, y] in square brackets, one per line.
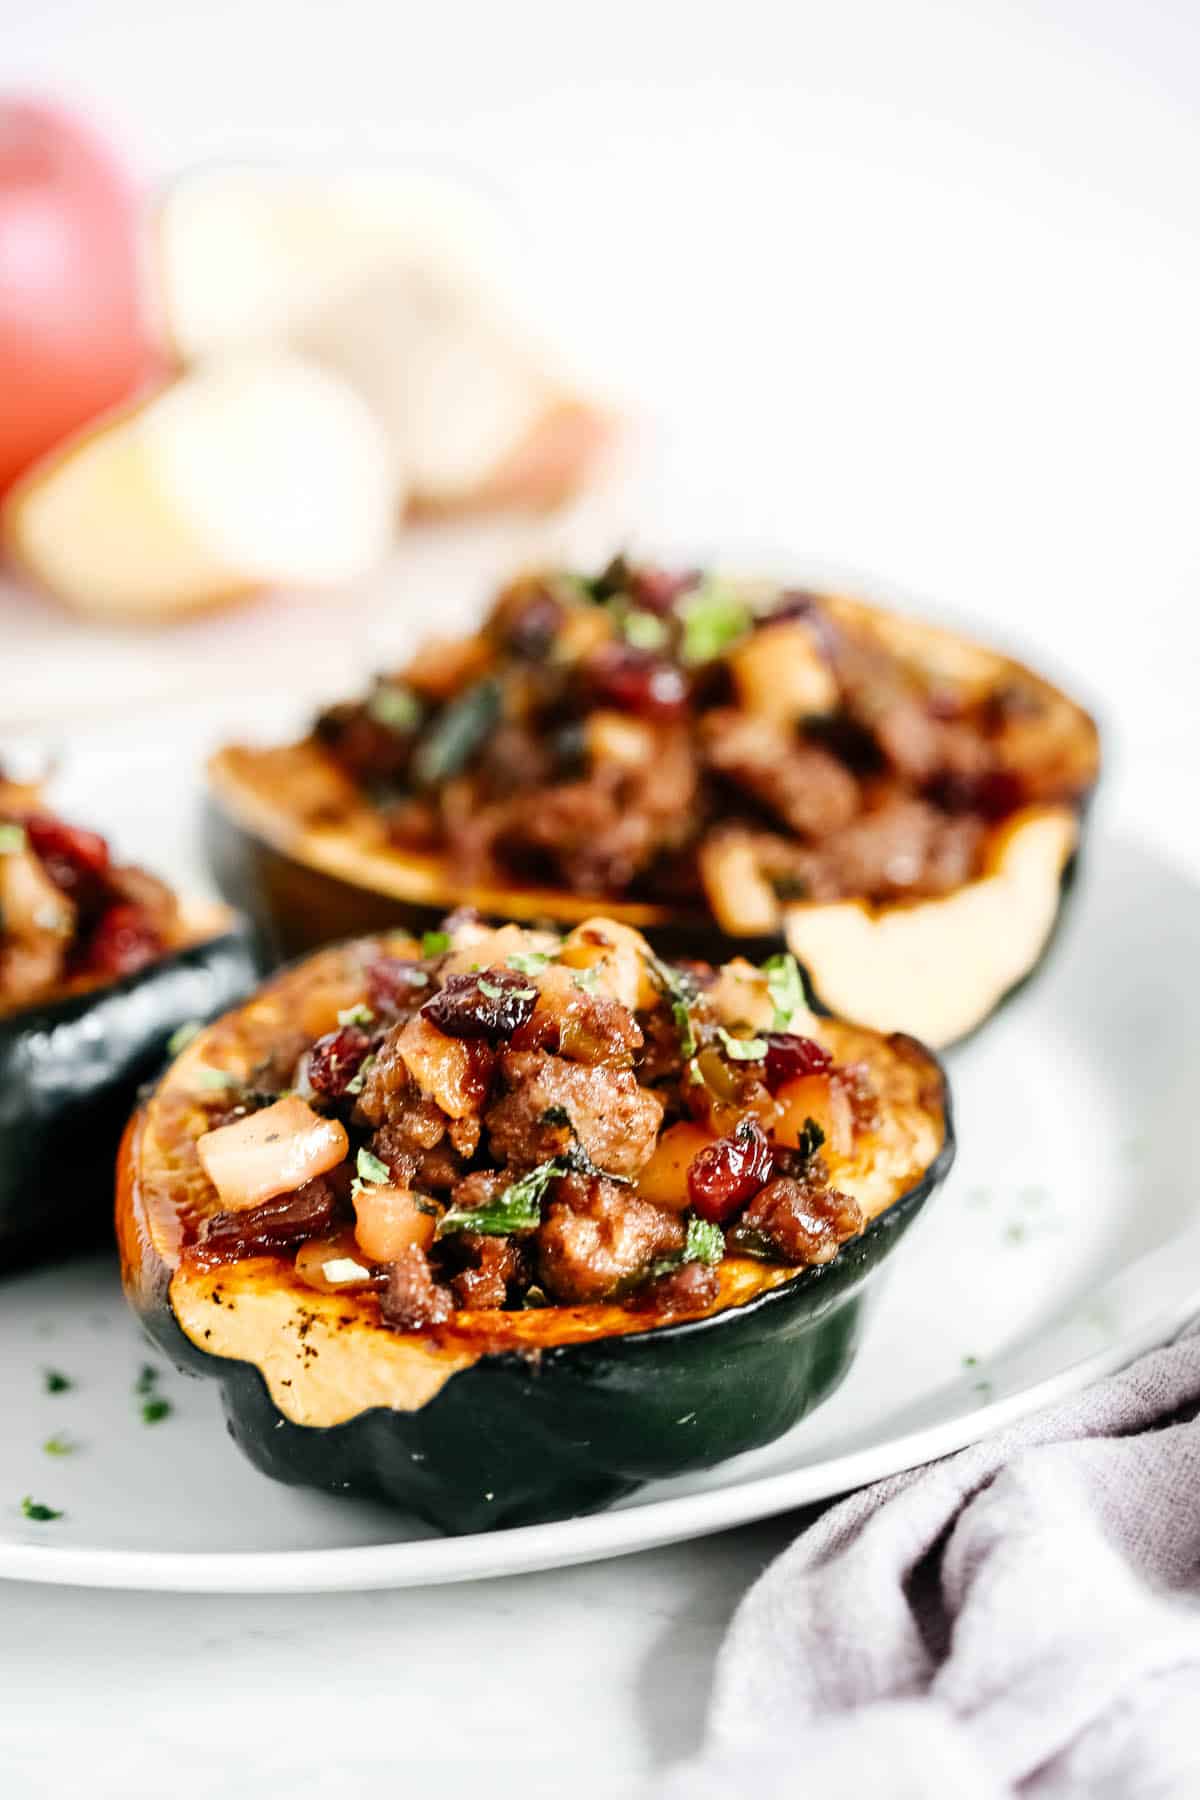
[1022, 1618]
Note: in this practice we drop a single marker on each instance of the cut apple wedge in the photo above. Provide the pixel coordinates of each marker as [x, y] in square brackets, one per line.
[262, 471]
[402, 284]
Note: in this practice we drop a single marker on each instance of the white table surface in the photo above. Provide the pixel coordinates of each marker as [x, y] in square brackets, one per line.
[910, 291]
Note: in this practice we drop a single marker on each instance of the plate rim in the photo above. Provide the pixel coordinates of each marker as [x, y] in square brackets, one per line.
[590, 1537]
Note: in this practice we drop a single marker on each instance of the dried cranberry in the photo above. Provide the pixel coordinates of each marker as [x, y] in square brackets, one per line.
[993, 793]
[534, 625]
[277, 1224]
[335, 1060]
[75, 860]
[790, 1056]
[657, 590]
[729, 1172]
[637, 681]
[125, 939]
[492, 1003]
[395, 985]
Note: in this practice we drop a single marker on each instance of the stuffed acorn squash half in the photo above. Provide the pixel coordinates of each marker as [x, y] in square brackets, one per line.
[715, 760]
[500, 1224]
[99, 965]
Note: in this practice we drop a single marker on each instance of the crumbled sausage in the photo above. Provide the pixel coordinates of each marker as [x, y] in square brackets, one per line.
[412, 1298]
[689, 1288]
[551, 1103]
[598, 1239]
[802, 784]
[805, 1221]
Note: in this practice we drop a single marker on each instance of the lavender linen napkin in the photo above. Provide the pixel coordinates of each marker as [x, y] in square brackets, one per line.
[1019, 1619]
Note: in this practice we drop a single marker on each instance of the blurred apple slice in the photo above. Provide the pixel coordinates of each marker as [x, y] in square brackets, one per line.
[262, 471]
[403, 284]
[474, 410]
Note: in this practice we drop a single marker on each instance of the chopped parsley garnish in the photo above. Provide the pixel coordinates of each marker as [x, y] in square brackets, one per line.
[751, 1049]
[492, 990]
[12, 839]
[785, 984]
[530, 962]
[705, 1242]
[435, 943]
[155, 1410]
[714, 617]
[60, 1445]
[147, 1380]
[683, 1025]
[810, 1139]
[644, 630]
[517, 1208]
[680, 990]
[394, 706]
[56, 1382]
[357, 1082]
[462, 728]
[217, 1078]
[371, 1173]
[33, 1509]
[356, 1015]
[182, 1036]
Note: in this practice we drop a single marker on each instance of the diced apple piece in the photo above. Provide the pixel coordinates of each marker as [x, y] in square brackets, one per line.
[264, 471]
[270, 1152]
[390, 1219]
[663, 1181]
[441, 1067]
[781, 673]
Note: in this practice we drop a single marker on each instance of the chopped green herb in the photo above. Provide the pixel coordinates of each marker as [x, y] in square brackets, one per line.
[356, 1015]
[530, 962]
[644, 630]
[371, 1173]
[681, 991]
[147, 1380]
[517, 1208]
[59, 1445]
[182, 1036]
[785, 984]
[435, 943]
[555, 1115]
[751, 1049]
[12, 839]
[217, 1078]
[155, 1410]
[461, 729]
[33, 1509]
[586, 979]
[810, 1139]
[687, 1037]
[357, 1082]
[395, 707]
[970, 1362]
[714, 617]
[705, 1242]
[493, 991]
[57, 1382]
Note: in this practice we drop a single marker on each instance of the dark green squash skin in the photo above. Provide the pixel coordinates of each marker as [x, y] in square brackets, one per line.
[515, 1440]
[70, 1071]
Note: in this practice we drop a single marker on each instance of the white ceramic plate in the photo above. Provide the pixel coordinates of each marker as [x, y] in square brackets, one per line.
[1065, 1241]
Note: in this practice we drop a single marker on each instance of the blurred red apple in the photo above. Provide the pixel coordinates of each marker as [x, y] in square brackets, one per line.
[73, 337]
